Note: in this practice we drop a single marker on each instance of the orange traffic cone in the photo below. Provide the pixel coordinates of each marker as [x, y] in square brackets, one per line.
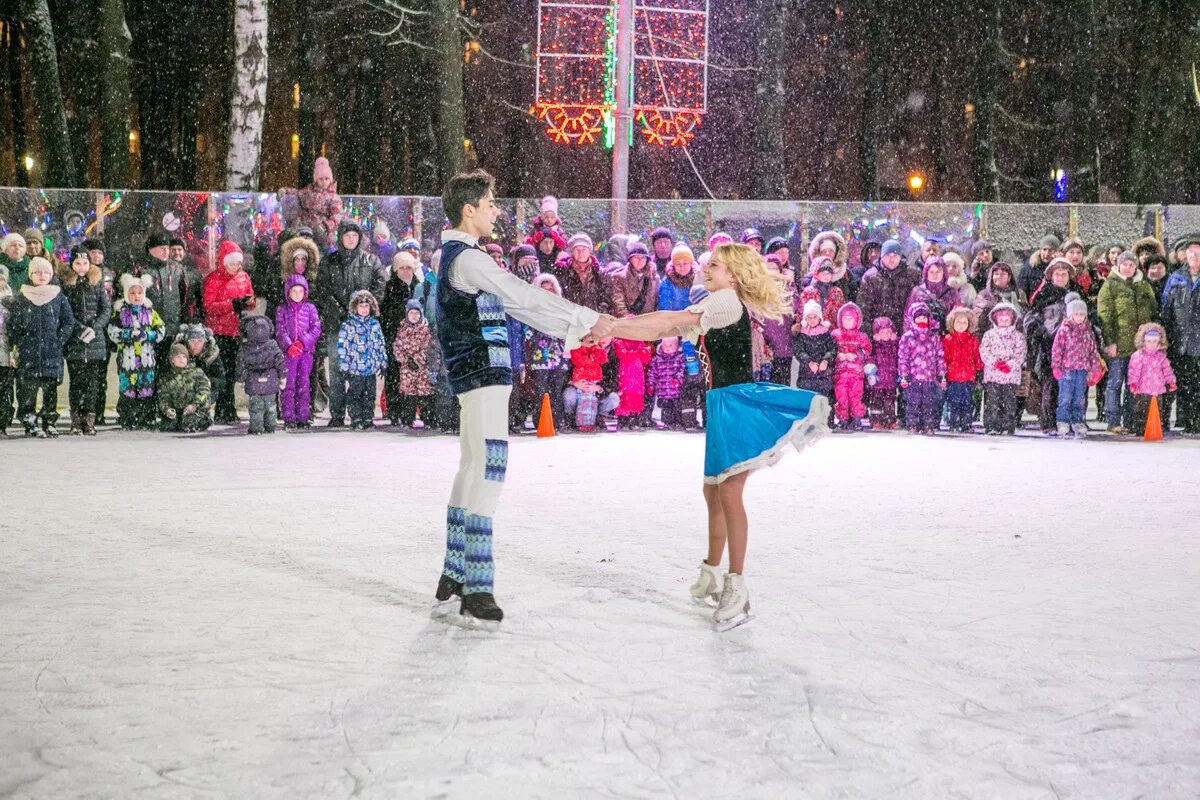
[1153, 422]
[546, 419]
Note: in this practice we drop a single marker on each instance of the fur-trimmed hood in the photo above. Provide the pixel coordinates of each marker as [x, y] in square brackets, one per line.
[840, 256]
[955, 313]
[1048, 272]
[1140, 337]
[288, 251]
[544, 277]
[1150, 241]
[67, 276]
[354, 298]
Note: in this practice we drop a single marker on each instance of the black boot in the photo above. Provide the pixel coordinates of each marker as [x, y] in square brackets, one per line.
[49, 425]
[447, 587]
[481, 606]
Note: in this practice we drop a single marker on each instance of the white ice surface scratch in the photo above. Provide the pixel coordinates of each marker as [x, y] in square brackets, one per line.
[948, 618]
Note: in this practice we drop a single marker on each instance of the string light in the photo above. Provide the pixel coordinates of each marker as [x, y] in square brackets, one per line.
[576, 70]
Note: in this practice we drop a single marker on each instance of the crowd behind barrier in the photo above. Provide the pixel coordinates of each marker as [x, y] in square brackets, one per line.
[186, 307]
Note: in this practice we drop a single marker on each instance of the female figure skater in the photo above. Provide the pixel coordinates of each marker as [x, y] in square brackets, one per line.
[749, 424]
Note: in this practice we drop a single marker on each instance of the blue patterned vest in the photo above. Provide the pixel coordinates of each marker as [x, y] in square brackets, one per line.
[471, 329]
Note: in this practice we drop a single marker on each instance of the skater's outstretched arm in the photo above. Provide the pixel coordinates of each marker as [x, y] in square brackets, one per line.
[719, 309]
[544, 311]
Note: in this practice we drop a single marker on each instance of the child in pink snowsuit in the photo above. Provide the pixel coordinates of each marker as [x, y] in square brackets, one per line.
[297, 329]
[854, 353]
[632, 359]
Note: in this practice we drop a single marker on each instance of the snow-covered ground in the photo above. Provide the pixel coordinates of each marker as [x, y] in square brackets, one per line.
[248, 617]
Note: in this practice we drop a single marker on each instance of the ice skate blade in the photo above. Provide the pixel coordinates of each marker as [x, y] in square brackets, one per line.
[707, 601]
[730, 624]
[442, 609]
[467, 622]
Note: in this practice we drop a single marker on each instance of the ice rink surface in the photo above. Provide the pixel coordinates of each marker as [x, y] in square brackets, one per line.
[248, 617]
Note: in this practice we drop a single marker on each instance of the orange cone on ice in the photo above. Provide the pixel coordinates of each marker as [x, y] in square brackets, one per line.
[1153, 422]
[545, 427]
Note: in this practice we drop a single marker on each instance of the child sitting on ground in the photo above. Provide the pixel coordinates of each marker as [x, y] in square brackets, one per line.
[183, 394]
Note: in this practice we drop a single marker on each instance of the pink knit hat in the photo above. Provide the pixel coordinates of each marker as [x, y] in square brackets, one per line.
[321, 169]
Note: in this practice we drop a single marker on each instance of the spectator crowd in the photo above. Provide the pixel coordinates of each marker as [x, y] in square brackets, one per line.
[334, 318]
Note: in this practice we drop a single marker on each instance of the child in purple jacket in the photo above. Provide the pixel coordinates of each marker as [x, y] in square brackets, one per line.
[1074, 357]
[297, 329]
[881, 397]
[665, 381]
[921, 365]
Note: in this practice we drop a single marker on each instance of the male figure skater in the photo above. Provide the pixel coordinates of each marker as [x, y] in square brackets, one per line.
[473, 296]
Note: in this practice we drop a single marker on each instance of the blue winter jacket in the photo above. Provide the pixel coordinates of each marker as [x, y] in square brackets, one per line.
[360, 346]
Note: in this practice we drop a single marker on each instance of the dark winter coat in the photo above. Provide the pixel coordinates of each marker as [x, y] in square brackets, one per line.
[1181, 312]
[938, 297]
[1032, 275]
[887, 363]
[260, 362]
[168, 290]
[40, 323]
[92, 308]
[274, 289]
[297, 322]
[185, 387]
[343, 273]
[397, 293]
[1124, 306]
[595, 294]
[884, 293]
[989, 297]
[815, 345]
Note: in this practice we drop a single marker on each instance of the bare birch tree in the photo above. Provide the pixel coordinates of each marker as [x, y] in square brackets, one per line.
[249, 104]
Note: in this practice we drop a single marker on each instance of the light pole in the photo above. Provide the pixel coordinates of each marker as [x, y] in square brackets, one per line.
[623, 116]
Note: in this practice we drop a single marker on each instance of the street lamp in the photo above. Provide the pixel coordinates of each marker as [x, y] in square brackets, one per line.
[29, 162]
[916, 182]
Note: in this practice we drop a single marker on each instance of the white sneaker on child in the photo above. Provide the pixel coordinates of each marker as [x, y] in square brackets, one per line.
[734, 606]
[707, 587]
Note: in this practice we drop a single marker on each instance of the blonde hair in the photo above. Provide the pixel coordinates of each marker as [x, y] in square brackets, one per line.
[763, 292]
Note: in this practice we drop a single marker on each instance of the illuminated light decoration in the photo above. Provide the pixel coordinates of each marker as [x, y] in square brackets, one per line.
[576, 70]
[1060, 185]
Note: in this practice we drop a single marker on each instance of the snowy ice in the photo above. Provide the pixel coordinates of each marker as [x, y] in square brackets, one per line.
[248, 617]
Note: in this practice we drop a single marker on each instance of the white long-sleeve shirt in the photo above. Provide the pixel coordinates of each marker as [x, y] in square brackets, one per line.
[474, 271]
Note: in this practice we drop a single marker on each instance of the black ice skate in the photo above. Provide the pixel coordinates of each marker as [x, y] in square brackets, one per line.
[480, 610]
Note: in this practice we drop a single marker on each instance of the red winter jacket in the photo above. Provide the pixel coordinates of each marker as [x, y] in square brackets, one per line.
[220, 290]
[589, 363]
[962, 356]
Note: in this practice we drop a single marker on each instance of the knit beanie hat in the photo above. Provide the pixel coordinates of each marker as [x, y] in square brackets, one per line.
[34, 235]
[697, 293]
[812, 307]
[1071, 244]
[410, 244]
[979, 246]
[93, 244]
[660, 233]
[157, 240]
[750, 235]
[549, 203]
[719, 239]
[580, 239]
[776, 243]
[1049, 240]
[11, 239]
[382, 230]
[178, 349]
[951, 257]
[880, 323]
[523, 251]
[196, 333]
[890, 247]
[227, 253]
[321, 169]
[1127, 256]
[1076, 305]
[682, 252]
[636, 249]
[413, 305]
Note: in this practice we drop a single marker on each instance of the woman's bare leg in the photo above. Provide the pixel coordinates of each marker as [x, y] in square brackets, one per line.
[729, 497]
[716, 525]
